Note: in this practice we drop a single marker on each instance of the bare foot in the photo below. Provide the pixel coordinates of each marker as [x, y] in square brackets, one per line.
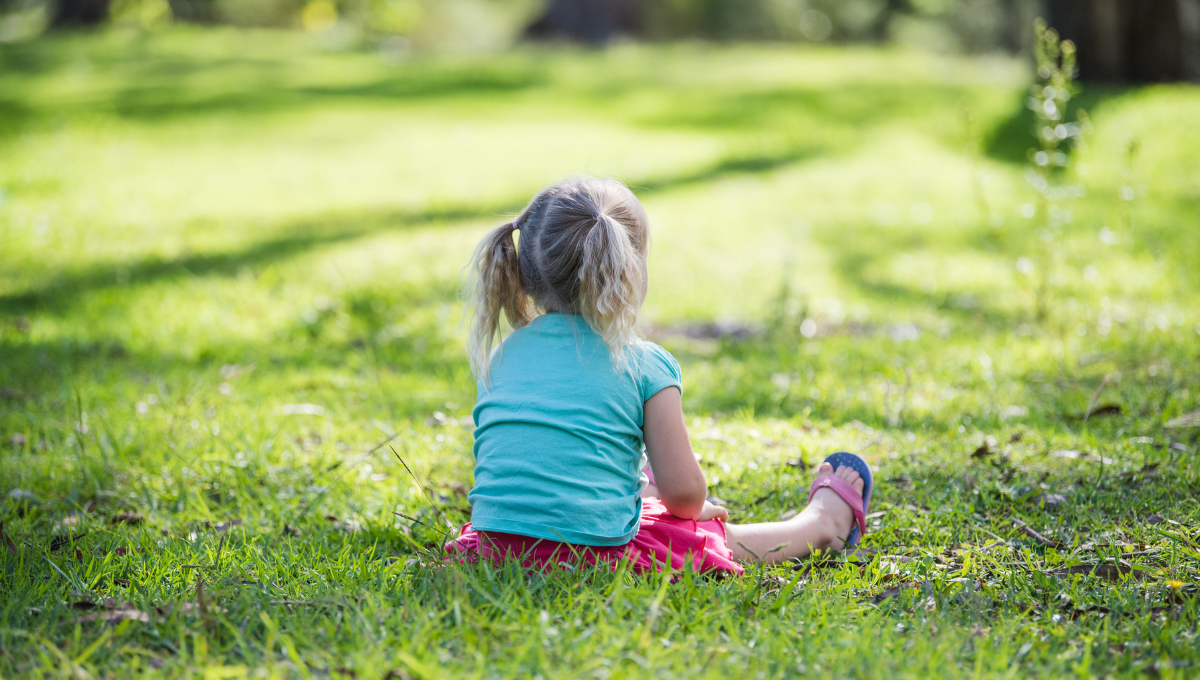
[828, 512]
[825, 523]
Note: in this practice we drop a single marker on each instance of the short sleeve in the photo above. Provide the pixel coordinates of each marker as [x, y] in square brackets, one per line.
[657, 370]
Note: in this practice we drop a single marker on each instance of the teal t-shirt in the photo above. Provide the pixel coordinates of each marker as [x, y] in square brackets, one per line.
[558, 439]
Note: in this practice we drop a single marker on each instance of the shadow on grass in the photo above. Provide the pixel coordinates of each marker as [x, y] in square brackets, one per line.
[859, 263]
[740, 165]
[426, 361]
[855, 269]
[14, 115]
[850, 106]
[295, 238]
[1011, 140]
[264, 95]
[149, 85]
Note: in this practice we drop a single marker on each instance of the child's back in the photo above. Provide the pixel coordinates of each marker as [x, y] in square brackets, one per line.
[558, 442]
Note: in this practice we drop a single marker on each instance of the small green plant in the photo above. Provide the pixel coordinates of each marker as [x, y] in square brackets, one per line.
[1055, 137]
[788, 309]
[1127, 192]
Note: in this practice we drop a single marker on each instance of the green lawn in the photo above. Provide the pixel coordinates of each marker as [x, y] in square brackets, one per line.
[230, 269]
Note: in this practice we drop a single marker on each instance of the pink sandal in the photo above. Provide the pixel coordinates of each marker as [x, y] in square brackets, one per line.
[857, 503]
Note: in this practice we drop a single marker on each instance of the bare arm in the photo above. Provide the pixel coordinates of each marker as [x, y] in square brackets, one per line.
[681, 485]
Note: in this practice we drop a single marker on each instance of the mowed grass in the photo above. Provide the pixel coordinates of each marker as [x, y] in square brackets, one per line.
[229, 288]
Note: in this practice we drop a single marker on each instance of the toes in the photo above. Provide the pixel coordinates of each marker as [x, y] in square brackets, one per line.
[851, 477]
[824, 470]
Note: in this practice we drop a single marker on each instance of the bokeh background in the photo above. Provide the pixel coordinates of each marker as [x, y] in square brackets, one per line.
[232, 235]
[193, 181]
[191, 187]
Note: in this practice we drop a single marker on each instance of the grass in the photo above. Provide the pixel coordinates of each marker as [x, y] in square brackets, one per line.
[230, 274]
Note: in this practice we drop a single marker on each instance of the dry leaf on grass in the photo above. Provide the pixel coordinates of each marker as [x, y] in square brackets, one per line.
[348, 526]
[1102, 410]
[22, 497]
[1150, 470]
[764, 498]
[231, 371]
[859, 554]
[127, 517]
[1050, 500]
[10, 393]
[301, 410]
[62, 541]
[108, 610]
[71, 520]
[192, 608]
[893, 592]
[226, 526]
[1095, 609]
[1108, 572]
[8, 542]
[114, 616]
[1071, 454]
[1186, 420]
[1028, 531]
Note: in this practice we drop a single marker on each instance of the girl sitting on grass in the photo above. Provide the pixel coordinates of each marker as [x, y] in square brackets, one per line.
[568, 400]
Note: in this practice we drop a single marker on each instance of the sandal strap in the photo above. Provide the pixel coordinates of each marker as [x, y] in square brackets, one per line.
[847, 493]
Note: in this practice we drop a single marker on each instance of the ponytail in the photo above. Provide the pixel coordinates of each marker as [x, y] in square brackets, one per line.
[583, 251]
[496, 286]
[610, 280]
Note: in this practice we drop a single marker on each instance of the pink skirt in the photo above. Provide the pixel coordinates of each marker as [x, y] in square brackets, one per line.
[662, 539]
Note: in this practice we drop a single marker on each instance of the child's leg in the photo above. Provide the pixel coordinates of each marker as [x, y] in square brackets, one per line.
[823, 524]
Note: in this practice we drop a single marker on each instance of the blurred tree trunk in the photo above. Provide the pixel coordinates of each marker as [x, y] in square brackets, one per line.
[1131, 41]
[79, 13]
[591, 21]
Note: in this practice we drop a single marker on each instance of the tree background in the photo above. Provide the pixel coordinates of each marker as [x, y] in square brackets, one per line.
[1120, 40]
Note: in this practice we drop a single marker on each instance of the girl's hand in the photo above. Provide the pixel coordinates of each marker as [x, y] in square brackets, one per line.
[711, 511]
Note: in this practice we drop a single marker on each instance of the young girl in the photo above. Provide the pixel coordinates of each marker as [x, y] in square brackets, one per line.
[568, 400]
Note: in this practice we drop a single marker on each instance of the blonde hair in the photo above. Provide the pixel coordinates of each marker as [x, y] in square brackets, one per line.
[582, 251]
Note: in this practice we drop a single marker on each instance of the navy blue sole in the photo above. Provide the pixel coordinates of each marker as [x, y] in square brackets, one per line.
[846, 459]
